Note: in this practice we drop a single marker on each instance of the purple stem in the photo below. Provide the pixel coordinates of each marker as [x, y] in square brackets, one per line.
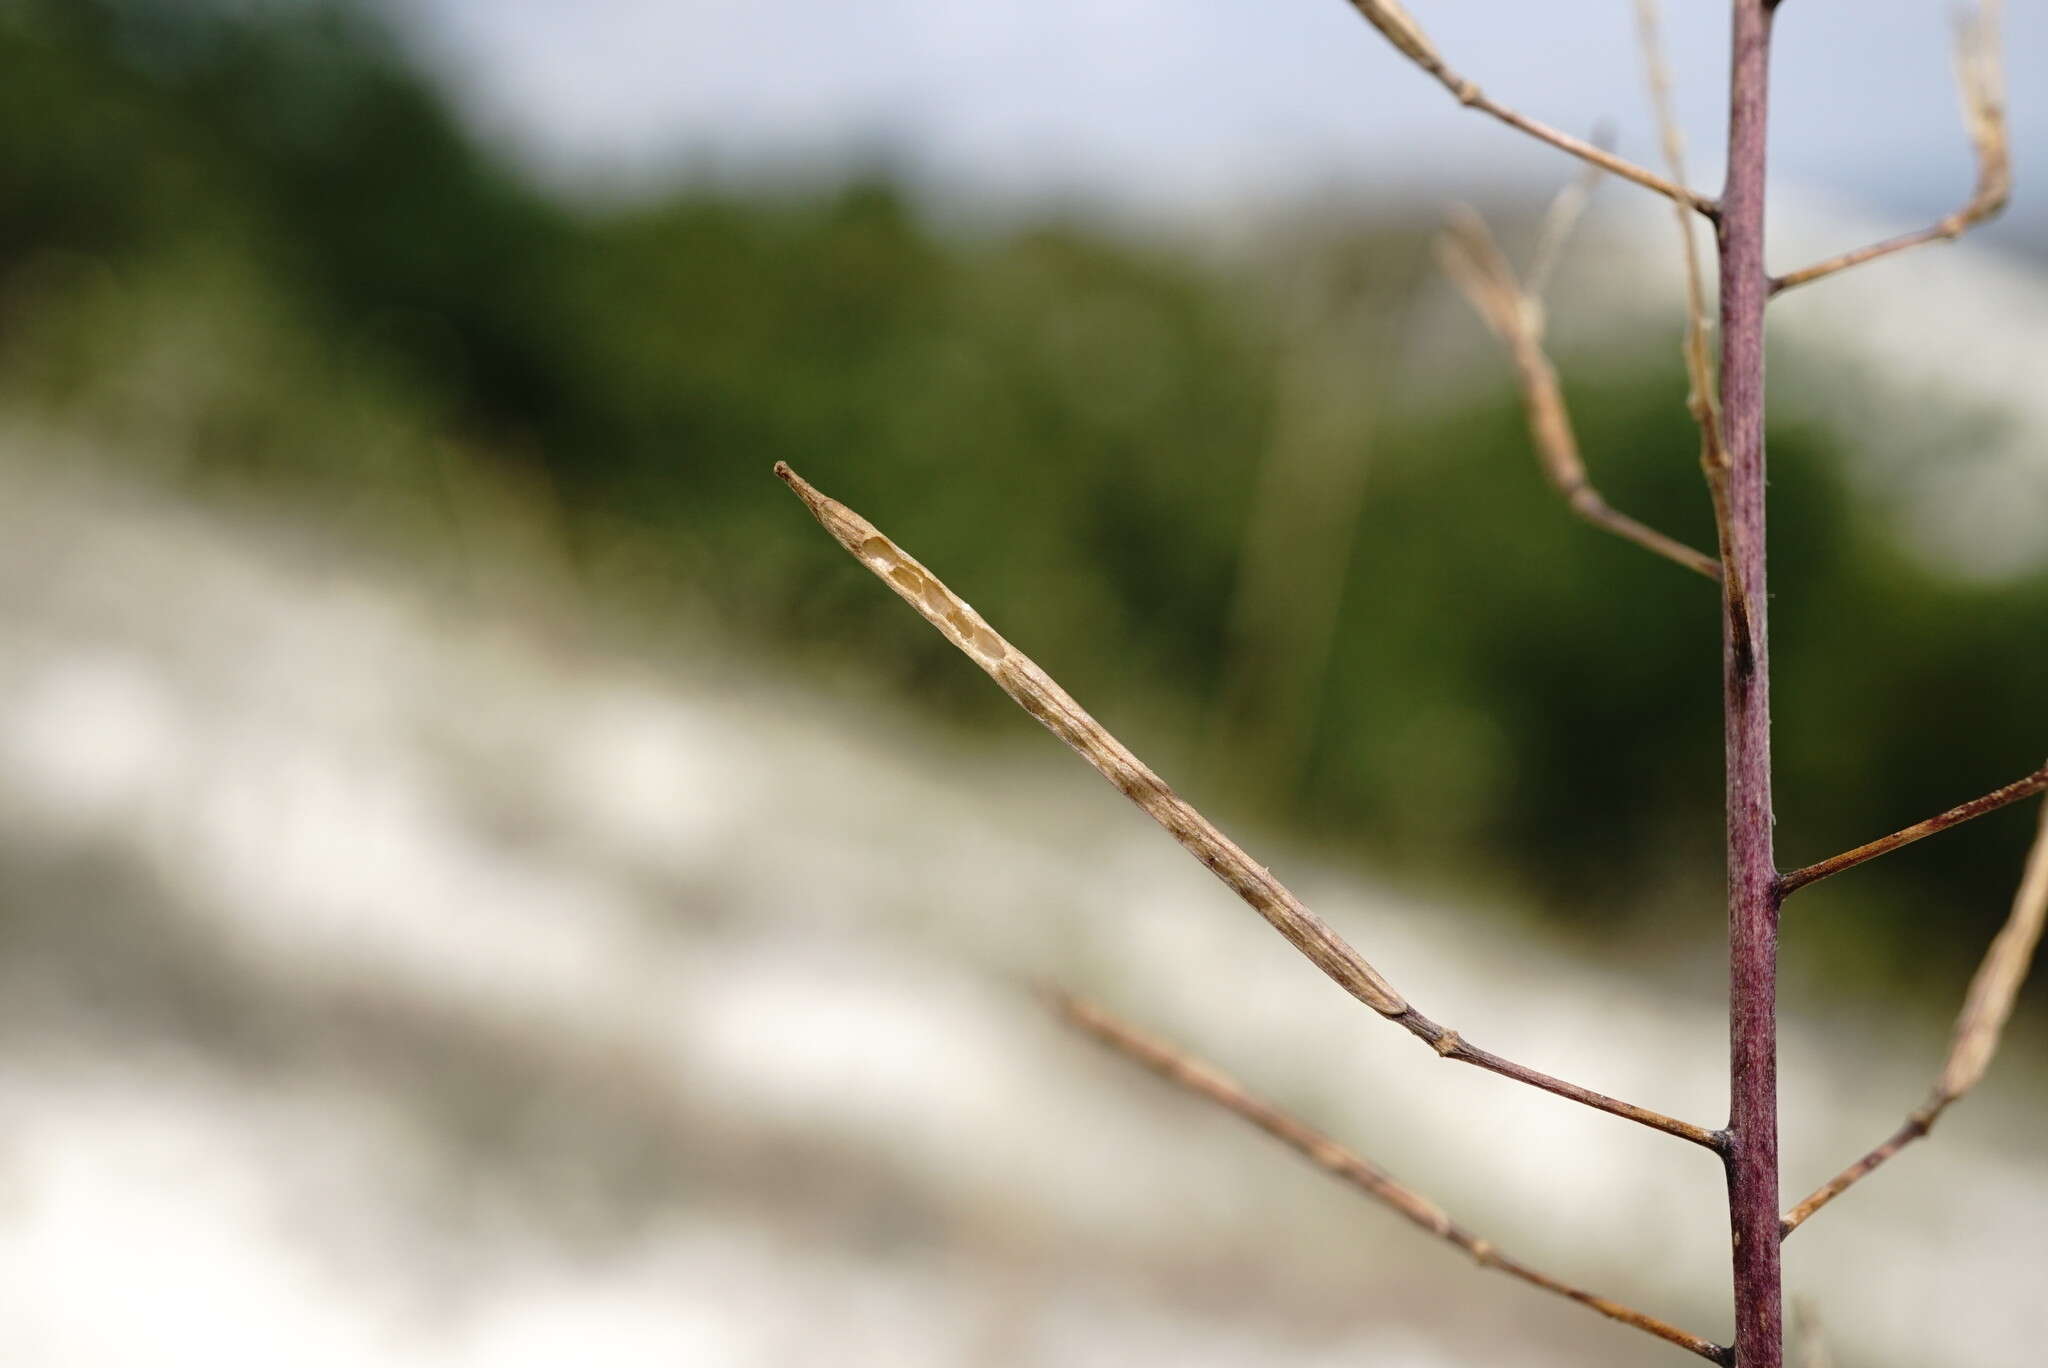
[1753, 894]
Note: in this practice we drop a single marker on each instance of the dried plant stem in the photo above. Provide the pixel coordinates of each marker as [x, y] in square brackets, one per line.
[1300, 530]
[1037, 693]
[1948, 230]
[2034, 783]
[1917, 1125]
[1978, 1029]
[1560, 220]
[1206, 1081]
[1481, 271]
[1405, 34]
[1702, 399]
[1752, 1134]
[1983, 89]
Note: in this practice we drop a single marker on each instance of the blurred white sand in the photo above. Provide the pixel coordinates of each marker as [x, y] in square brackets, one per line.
[391, 979]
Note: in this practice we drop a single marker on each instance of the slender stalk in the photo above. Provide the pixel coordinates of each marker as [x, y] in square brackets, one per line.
[1301, 529]
[1206, 1081]
[1702, 398]
[1469, 94]
[1979, 73]
[1979, 1026]
[1752, 1137]
[1948, 230]
[1917, 1124]
[1398, 27]
[1041, 696]
[2034, 783]
[1474, 262]
[1560, 220]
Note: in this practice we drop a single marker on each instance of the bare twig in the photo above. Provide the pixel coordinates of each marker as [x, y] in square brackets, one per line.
[1206, 1081]
[1978, 1026]
[1037, 693]
[1395, 24]
[1702, 398]
[1982, 82]
[2034, 783]
[1301, 528]
[1475, 263]
[1567, 207]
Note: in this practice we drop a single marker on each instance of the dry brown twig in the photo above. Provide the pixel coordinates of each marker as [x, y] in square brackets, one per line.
[1036, 692]
[1301, 523]
[1560, 220]
[1208, 1082]
[1981, 79]
[2027, 787]
[1702, 398]
[1400, 29]
[1979, 1026]
[1473, 260]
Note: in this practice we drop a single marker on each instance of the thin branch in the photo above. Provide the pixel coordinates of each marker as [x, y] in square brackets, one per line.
[1702, 399]
[1475, 263]
[1561, 219]
[1037, 693]
[2034, 783]
[1302, 526]
[1978, 1026]
[1395, 24]
[1206, 1081]
[1982, 82]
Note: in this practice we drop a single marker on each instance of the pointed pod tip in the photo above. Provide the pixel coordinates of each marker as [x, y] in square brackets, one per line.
[802, 487]
[845, 525]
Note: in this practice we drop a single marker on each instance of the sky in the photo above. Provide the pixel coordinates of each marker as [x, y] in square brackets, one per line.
[1178, 107]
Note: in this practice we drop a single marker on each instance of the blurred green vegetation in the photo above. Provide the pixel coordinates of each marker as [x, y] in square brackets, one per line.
[250, 245]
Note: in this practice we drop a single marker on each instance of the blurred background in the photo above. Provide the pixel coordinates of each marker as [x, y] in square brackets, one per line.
[484, 881]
